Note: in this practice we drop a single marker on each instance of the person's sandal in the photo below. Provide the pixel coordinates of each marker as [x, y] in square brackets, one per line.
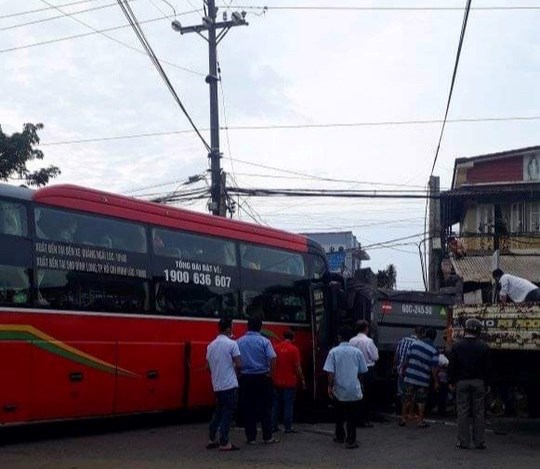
[271, 441]
[423, 425]
[212, 445]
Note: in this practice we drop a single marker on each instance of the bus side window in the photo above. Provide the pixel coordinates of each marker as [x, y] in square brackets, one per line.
[195, 300]
[204, 249]
[272, 260]
[12, 219]
[88, 230]
[89, 292]
[14, 285]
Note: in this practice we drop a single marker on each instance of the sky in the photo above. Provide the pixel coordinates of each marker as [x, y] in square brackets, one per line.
[303, 66]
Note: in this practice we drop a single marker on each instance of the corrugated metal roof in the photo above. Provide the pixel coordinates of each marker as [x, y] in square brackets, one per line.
[479, 268]
[519, 188]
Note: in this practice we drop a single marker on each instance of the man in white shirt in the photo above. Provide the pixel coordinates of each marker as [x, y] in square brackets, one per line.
[518, 289]
[371, 354]
[223, 357]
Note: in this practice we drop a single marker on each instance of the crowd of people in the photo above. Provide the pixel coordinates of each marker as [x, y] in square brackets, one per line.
[259, 377]
[263, 381]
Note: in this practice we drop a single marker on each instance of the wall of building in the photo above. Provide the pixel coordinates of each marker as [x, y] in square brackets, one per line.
[504, 170]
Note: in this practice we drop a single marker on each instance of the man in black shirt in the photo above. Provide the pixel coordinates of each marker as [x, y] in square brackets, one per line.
[468, 372]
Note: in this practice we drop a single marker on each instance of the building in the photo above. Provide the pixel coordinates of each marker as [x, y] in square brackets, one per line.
[493, 211]
[343, 251]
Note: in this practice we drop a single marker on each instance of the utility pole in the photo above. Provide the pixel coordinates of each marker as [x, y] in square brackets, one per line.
[212, 26]
[434, 240]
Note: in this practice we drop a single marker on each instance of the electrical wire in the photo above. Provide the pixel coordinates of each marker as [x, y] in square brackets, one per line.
[154, 4]
[128, 12]
[261, 192]
[298, 126]
[392, 241]
[191, 180]
[51, 18]
[452, 82]
[37, 10]
[449, 100]
[104, 32]
[384, 8]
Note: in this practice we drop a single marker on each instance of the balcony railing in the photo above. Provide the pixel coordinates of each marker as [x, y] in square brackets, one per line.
[509, 243]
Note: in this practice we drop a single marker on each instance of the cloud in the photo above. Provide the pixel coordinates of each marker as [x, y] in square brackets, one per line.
[287, 67]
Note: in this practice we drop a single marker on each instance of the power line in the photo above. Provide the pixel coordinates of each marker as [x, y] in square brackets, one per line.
[311, 177]
[392, 241]
[299, 126]
[154, 4]
[373, 194]
[449, 100]
[453, 81]
[190, 180]
[103, 33]
[383, 8]
[365, 225]
[315, 177]
[63, 15]
[128, 12]
[37, 10]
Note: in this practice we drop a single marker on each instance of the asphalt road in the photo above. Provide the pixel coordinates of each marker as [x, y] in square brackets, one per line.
[514, 444]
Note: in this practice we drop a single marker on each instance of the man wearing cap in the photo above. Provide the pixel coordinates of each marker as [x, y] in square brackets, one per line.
[468, 372]
[518, 289]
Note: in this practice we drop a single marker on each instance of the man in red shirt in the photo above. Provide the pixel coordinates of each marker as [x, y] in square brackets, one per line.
[287, 373]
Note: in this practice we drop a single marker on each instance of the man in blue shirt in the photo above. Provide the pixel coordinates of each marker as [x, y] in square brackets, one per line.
[421, 366]
[344, 364]
[258, 360]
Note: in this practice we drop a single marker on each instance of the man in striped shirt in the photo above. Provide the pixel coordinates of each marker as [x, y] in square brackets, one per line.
[420, 366]
[402, 349]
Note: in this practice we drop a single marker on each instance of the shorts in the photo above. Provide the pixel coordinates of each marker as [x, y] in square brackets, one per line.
[416, 394]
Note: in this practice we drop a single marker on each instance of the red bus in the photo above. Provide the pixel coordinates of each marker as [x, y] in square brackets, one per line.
[107, 303]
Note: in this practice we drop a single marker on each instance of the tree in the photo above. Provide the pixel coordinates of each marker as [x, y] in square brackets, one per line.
[387, 278]
[17, 150]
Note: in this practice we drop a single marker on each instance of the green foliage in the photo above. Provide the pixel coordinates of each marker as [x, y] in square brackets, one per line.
[17, 150]
[387, 278]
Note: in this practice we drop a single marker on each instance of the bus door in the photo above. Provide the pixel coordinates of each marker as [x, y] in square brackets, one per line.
[321, 330]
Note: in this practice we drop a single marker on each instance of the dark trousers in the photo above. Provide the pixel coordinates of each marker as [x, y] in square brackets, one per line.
[346, 415]
[533, 296]
[470, 399]
[442, 398]
[256, 402]
[366, 404]
[223, 415]
[283, 398]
